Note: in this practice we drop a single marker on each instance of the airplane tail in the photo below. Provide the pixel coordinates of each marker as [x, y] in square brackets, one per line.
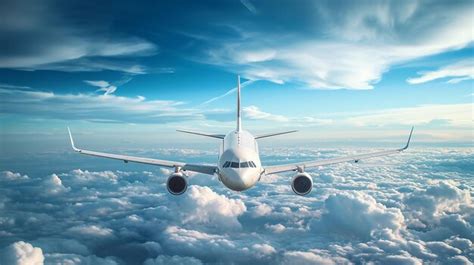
[239, 122]
[239, 119]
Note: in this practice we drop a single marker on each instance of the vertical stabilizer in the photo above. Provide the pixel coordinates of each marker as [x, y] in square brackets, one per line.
[239, 120]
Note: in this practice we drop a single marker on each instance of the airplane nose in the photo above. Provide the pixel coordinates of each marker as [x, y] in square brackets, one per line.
[239, 180]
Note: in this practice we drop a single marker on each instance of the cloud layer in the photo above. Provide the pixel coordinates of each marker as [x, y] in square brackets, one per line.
[412, 208]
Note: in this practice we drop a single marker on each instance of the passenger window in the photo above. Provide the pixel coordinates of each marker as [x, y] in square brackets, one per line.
[234, 165]
[244, 164]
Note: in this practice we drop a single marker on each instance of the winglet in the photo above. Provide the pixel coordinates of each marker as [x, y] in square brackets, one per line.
[72, 141]
[409, 138]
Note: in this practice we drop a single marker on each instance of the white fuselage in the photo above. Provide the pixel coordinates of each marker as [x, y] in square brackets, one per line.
[239, 166]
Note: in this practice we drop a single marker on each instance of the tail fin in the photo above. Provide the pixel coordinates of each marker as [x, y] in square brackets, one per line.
[239, 120]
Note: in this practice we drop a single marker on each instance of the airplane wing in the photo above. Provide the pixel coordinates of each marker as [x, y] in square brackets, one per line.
[205, 169]
[355, 158]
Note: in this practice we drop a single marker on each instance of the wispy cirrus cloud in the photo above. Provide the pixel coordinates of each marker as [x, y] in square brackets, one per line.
[41, 38]
[231, 91]
[457, 72]
[347, 45]
[108, 108]
[456, 115]
[107, 87]
[255, 113]
[249, 6]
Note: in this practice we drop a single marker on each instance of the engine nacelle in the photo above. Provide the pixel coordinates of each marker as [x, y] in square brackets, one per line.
[177, 183]
[302, 183]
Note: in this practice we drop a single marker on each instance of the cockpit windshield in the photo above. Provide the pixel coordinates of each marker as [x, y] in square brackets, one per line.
[245, 164]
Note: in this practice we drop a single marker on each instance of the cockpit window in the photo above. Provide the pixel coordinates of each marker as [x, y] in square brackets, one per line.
[244, 164]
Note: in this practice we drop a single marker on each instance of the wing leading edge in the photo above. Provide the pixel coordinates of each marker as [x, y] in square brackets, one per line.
[355, 158]
[205, 169]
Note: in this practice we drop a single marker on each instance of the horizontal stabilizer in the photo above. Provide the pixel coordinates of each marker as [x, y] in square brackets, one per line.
[273, 134]
[218, 136]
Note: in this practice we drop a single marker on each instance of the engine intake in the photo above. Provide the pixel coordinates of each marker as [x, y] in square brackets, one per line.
[177, 183]
[302, 183]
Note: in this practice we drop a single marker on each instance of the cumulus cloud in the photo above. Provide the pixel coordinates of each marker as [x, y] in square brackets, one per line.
[417, 210]
[301, 258]
[173, 260]
[205, 206]
[433, 203]
[73, 259]
[457, 72]
[358, 214]
[54, 185]
[22, 253]
[9, 176]
[263, 250]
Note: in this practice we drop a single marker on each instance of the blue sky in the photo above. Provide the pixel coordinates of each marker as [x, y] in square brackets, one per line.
[323, 67]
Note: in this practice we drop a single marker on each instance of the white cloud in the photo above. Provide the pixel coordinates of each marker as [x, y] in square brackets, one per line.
[453, 114]
[91, 231]
[263, 250]
[47, 40]
[53, 185]
[358, 214]
[173, 260]
[440, 198]
[262, 209]
[231, 91]
[21, 253]
[401, 259]
[104, 86]
[88, 176]
[74, 259]
[254, 113]
[277, 228]
[249, 6]
[460, 71]
[9, 176]
[410, 208]
[302, 258]
[348, 46]
[203, 205]
[99, 108]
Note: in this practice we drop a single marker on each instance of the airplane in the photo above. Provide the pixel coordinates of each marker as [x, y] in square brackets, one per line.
[239, 167]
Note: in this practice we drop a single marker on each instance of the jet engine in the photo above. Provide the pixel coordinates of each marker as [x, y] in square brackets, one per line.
[302, 183]
[177, 183]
